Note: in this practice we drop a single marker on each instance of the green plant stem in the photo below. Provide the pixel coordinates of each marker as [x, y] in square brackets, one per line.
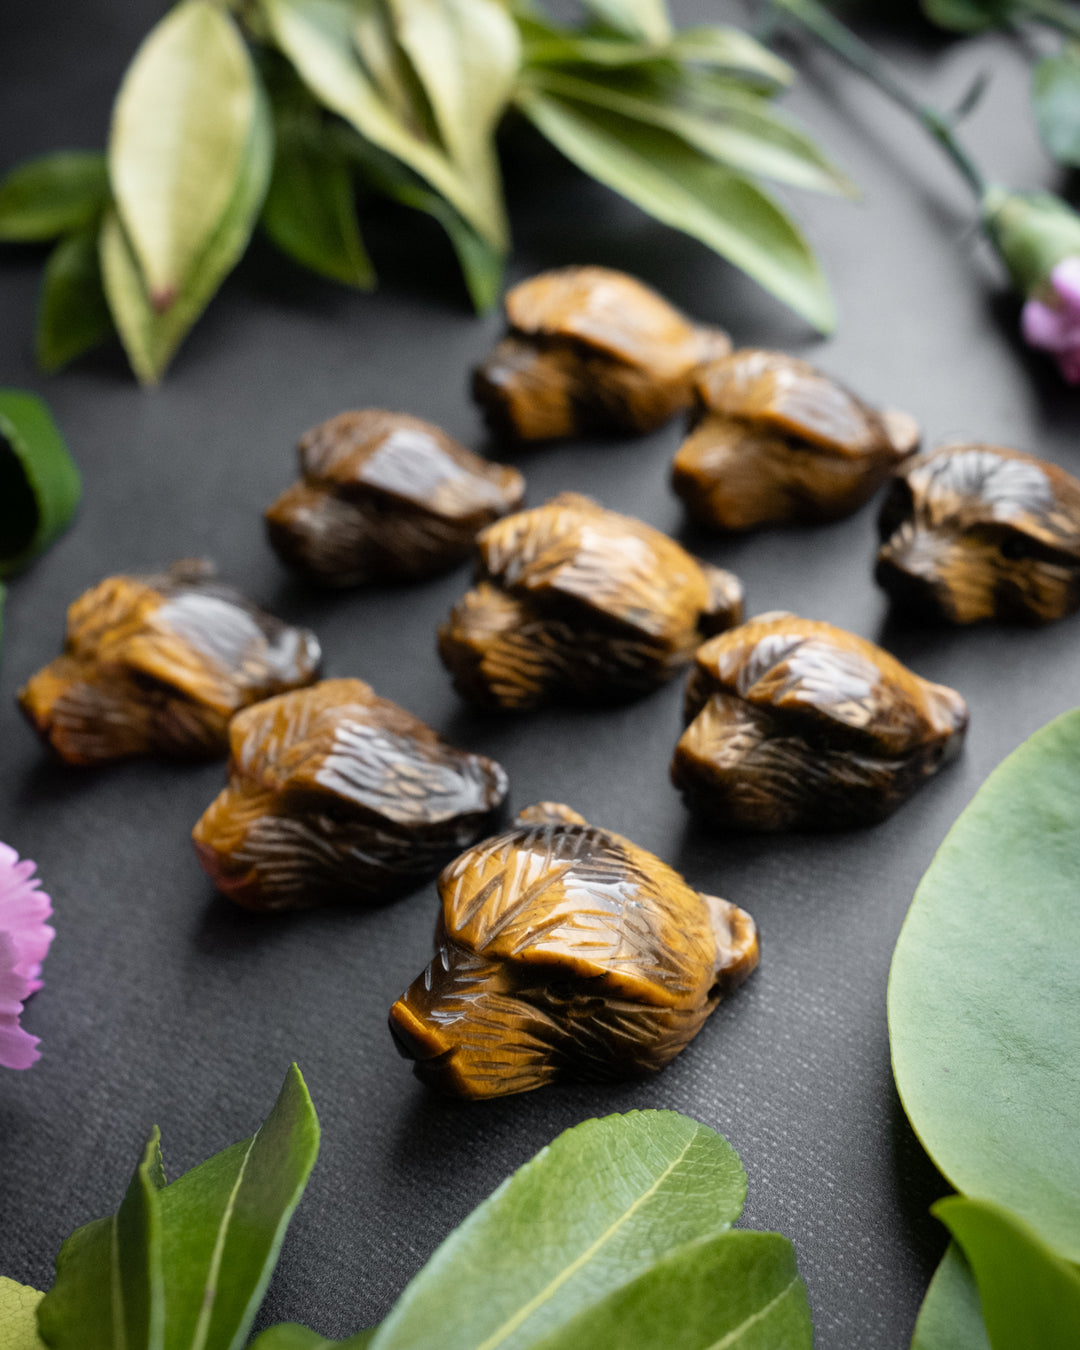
[1055, 13]
[861, 57]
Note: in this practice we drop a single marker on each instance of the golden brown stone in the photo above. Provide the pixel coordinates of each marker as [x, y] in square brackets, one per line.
[591, 350]
[565, 951]
[796, 724]
[337, 794]
[976, 531]
[575, 602]
[385, 496]
[159, 664]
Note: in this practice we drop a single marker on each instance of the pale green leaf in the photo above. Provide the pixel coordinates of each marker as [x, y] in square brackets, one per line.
[746, 134]
[646, 19]
[109, 1288]
[1055, 93]
[737, 1291]
[180, 130]
[73, 314]
[722, 48]
[1030, 1296]
[466, 54]
[18, 1316]
[685, 189]
[984, 992]
[40, 485]
[46, 197]
[293, 1336]
[151, 337]
[588, 1215]
[951, 1315]
[316, 36]
[381, 52]
[968, 16]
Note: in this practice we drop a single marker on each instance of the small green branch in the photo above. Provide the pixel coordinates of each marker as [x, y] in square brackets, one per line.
[861, 57]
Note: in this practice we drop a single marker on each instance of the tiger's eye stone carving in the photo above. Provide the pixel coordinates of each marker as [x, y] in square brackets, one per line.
[337, 794]
[591, 350]
[385, 496]
[974, 532]
[796, 725]
[777, 442]
[565, 951]
[575, 602]
[159, 664]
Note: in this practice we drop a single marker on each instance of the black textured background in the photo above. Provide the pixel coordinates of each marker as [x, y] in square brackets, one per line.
[164, 1004]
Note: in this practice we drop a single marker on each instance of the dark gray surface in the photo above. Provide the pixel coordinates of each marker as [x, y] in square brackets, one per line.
[164, 1004]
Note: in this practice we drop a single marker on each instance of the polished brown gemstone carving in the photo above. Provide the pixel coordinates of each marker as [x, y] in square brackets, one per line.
[385, 496]
[337, 794]
[796, 725]
[565, 951]
[777, 442]
[575, 602]
[976, 531]
[158, 665]
[591, 350]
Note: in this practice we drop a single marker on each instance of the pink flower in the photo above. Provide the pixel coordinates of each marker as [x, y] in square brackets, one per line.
[24, 943]
[1055, 326]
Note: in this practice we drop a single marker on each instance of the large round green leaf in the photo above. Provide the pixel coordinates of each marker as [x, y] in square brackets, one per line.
[984, 993]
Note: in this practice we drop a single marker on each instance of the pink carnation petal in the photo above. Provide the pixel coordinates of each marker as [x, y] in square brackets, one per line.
[1065, 279]
[18, 1049]
[1041, 326]
[24, 942]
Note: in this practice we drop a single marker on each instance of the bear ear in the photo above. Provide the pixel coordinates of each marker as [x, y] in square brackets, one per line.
[549, 813]
[737, 949]
[725, 605]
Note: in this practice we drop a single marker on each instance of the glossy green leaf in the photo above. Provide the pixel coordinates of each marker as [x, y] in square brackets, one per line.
[317, 37]
[1055, 93]
[309, 210]
[745, 133]
[293, 1336]
[40, 485]
[109, 1288]
[951, 1315]
[585, 1217]
[739, 1290]
[984, 992]
[151, 337]
[646, 19]
[225, 1221]
[968, 16]
[18, 1316]
[45, 197]
[685, 189]
[181, 127]
[1030, 1295]
[73, 314]
[466, 54]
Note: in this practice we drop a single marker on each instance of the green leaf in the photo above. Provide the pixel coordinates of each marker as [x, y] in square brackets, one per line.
[466, 54]
[150, 337]
[18, 1316]
[968, 16]
[951, 1314]
[739, 1291]
[73, 314]
[225, 1221]
[732, 51]
[1030, 1296]
[316, 36]
[585, 1217]
[109, 1288]
[309, 210]
[647, 19]
[1055, 93]
[40, 485]
[292, 1336]
[744, 133]
[181, 128]
[984, 992]
[46, 197]
[683, 188]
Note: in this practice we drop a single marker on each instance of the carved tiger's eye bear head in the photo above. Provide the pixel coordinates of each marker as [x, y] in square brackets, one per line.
[564, 950]
[385, 496]
[976, 531]
[159, 664]
[337, 794]
[795, 724]
[591, 350]
[575, 602]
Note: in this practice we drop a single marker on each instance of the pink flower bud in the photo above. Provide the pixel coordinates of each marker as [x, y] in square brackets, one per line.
[24, 941]
[1053, 325]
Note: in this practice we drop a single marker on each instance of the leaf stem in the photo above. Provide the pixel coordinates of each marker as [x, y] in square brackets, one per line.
[1056, 13]
[861, 57]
